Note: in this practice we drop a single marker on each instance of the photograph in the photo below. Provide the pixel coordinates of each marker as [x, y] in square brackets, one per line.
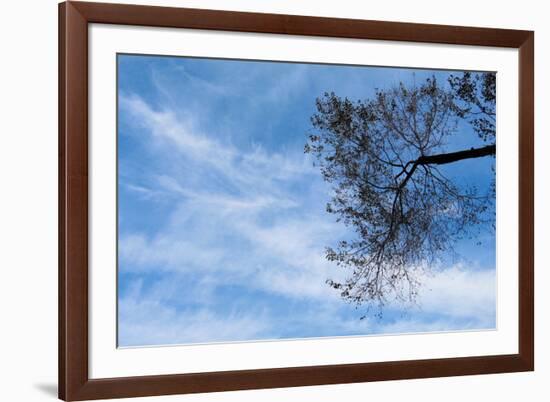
[271, 201]
[267, 200]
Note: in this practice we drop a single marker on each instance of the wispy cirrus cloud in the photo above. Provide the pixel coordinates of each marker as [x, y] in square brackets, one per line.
[253, 170]
[149, 321]
[152, 317]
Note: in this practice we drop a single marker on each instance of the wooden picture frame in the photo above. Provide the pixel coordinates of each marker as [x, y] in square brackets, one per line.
[74, 381]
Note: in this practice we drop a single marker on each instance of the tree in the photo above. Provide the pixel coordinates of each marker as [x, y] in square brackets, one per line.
[384, 158]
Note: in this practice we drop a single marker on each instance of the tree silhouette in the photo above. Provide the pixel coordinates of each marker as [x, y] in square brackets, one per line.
[384, 157]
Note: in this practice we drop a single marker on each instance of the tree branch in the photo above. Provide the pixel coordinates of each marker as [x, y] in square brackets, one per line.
[442, 159]
[438, 159]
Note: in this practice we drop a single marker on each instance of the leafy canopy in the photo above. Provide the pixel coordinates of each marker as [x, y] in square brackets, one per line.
[383, 157]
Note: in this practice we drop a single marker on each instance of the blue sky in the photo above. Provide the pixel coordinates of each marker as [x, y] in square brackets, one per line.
[222, 222]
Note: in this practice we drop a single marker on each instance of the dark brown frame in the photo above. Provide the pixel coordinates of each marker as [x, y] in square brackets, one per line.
[74, 383]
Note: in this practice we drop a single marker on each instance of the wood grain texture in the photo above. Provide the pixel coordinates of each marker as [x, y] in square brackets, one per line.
[74, 382]
[298, 25]
[73, 202]
[526, 261]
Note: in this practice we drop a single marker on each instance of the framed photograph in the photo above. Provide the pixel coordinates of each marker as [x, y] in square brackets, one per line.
[259, 200]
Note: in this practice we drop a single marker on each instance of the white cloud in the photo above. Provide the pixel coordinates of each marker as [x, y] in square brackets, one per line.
[179, 132]
[286, 86]
[166, 252]
[285, 257]
[148, 317]
[248, 202]
[253, 170]
[150, 322]
[197, 83]
[460, 292]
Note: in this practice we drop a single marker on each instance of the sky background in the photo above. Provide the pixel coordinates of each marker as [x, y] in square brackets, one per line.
[222, 222]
